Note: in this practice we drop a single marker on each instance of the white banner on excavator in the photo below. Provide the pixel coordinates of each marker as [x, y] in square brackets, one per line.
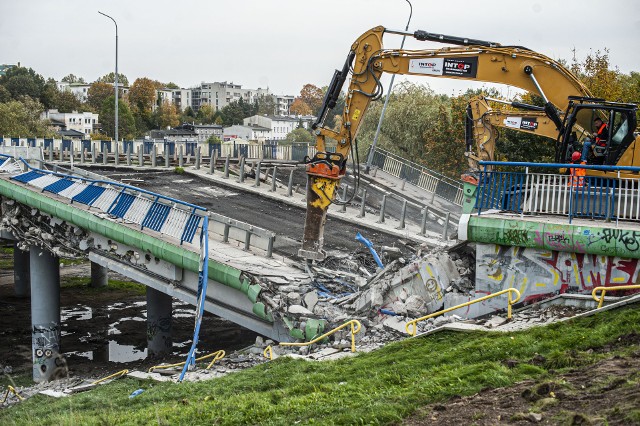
[431, 66]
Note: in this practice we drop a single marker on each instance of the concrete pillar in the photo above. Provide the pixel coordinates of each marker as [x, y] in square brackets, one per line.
[158, 323]
[45, 314]
[21, 272]
[99, 275]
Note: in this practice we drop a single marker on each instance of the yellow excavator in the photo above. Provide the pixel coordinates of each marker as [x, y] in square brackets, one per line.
[568, 104]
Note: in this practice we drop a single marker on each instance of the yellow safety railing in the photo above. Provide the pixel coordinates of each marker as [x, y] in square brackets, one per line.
[113, 376]
[13, 391]
[218, 355]
[355, 328]
[605, 289]
[511, 301]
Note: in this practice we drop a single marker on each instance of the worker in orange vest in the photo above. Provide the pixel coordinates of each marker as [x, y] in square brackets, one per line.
[577, 175]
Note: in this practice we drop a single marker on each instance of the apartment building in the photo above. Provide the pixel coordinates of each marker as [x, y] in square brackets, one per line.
[84, 122]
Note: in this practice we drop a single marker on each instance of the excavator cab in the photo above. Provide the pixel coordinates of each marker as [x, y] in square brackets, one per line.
[579, 130]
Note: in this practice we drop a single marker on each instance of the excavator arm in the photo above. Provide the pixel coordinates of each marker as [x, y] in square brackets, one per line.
[482, 121]
[367, 60]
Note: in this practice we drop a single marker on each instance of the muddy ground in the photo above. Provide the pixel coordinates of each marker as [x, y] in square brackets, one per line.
[104, 330]
[607, 393]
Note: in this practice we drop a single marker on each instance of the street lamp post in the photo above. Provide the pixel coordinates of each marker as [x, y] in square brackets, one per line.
[116, 79]
[372, 149]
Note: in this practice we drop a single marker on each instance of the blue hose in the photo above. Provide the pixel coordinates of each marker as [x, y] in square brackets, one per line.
[369, 245]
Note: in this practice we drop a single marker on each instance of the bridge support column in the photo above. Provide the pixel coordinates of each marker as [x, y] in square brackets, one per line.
[99, 275]
[21, 272]
[158, 323]
[45, 314]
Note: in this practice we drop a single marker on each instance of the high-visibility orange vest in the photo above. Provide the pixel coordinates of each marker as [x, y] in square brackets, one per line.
[577, 176]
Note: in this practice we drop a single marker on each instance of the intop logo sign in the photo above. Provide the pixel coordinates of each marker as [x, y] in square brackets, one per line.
[466, 67]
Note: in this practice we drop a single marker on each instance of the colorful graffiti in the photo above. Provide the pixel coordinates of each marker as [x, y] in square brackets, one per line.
[538, 274]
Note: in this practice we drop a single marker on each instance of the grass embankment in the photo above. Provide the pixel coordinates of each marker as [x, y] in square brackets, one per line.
[379, 387]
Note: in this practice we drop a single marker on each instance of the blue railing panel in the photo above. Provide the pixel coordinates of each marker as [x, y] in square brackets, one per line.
[89, 194]
[156, 216]
[122, 204]
[190, 228]
[57, 187]
[28, 176]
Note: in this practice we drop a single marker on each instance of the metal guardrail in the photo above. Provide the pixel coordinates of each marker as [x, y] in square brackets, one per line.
[510, 302]
[418, 175]
[590, 197]
[355, 328]
[98, 150]
[604, 290]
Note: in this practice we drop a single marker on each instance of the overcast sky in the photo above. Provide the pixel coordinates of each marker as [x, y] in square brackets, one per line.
[284, 44]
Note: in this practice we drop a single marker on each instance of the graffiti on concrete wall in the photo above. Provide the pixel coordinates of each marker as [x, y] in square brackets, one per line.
[540, 273]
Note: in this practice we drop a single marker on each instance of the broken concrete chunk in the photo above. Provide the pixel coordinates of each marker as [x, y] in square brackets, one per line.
[495, 321]
[310, 299]
[299, 310]
[395, 324]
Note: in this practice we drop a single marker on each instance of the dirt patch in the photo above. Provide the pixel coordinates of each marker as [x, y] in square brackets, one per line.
[607, 393]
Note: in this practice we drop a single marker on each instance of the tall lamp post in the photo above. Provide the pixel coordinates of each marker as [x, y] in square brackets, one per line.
[372, 149]
[116, 83]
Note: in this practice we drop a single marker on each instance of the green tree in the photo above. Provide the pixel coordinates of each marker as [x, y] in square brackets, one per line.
[97, 93]
[235, 112]
[266, 104]
[213, 139]
[299, 135]
[20, 81]
[71, 78]
[67, 102]
[22, 118]
[205, 115]
[111, 78]
[167, 115]
[126, 121]
[142, 94]
[171, 85]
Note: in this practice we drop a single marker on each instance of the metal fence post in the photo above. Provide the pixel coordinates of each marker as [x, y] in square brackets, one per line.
[270, 246]
[445, 231]
[241, 176]
[247, 240]
[273, 179]
[344, 198]
[364, 200]
[226, 167]
[258, 174]
[403, 214]
[382, 208]
[423, 225]
[290, 185]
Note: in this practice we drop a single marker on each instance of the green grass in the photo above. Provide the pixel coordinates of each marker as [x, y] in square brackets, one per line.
[380, 387]
[82, 284]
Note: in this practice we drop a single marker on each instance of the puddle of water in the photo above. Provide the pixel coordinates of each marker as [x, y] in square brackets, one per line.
[78, 312]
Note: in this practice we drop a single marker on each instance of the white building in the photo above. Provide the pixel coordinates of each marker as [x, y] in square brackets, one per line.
[219, 94]
[181, 98]
[163, 95]
[84, 122]
[80, 90]
[283, 104]
[249, 133]
[280, 126]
